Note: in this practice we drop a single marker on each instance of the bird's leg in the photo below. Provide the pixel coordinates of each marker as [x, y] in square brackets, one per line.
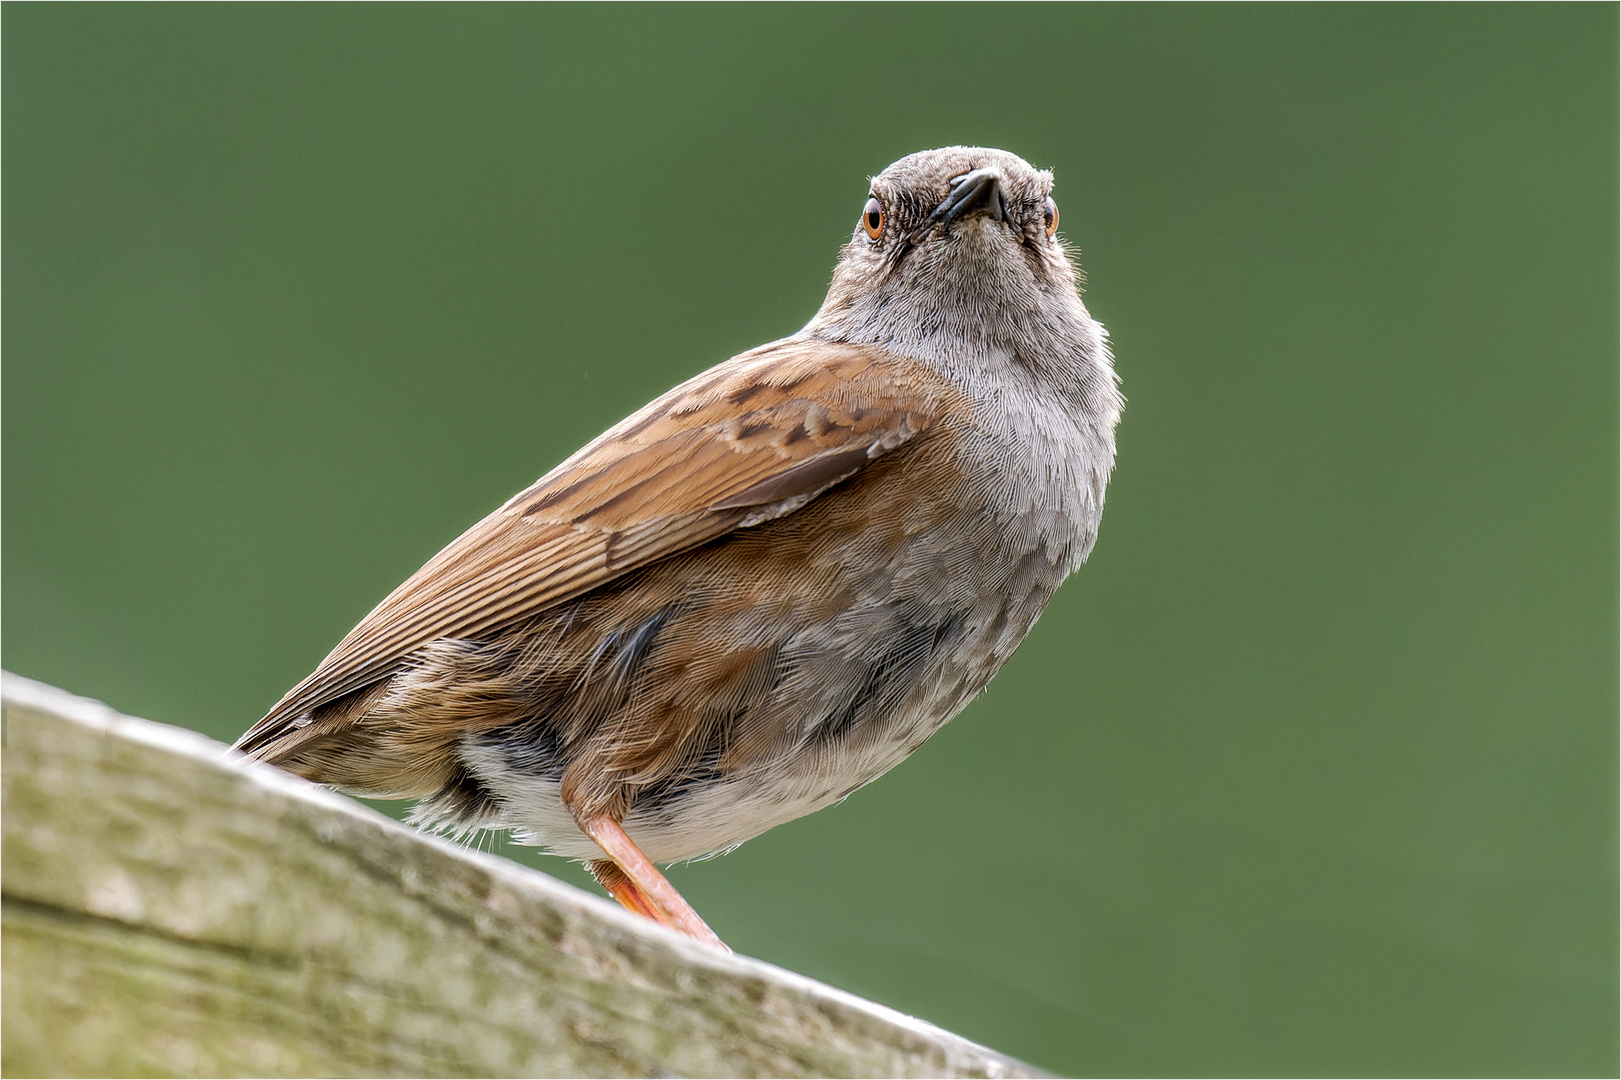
[644, 890]
[621, 888]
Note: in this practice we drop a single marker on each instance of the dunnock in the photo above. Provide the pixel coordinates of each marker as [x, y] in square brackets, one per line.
[769, 586]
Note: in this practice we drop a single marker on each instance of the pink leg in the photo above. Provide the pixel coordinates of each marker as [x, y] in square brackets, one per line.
[621, 888]
[644, 886]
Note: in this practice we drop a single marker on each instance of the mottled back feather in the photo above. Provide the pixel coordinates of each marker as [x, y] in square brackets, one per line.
[747, 441]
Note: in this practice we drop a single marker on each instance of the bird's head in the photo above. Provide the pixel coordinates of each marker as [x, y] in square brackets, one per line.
[957, 247]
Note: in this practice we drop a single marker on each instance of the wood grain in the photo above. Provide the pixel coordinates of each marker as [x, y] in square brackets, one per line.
[171, 910]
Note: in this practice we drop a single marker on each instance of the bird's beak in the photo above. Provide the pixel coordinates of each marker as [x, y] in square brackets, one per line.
[977, 192]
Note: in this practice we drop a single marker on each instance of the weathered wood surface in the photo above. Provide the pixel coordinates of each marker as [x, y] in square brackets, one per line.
[172, 910]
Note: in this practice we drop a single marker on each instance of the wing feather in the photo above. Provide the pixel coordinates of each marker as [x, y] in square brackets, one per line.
[748, 440]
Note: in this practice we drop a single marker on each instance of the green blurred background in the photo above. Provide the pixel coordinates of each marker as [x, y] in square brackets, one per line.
[1312, 769]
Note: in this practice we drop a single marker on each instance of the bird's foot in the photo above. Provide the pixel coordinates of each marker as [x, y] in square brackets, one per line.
[638, 885]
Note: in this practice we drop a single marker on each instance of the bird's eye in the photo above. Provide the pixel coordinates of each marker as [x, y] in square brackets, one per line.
[872, 218]
[1049, 214]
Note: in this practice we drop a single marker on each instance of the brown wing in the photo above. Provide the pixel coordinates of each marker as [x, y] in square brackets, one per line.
[746, 441]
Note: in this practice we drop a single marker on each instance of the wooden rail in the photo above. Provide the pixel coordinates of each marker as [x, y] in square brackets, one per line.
[170, 909]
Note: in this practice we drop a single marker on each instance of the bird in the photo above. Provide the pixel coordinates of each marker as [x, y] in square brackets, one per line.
[769, 586]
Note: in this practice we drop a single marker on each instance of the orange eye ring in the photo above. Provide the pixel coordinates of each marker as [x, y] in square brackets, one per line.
[873, 218]
[1049, 213]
